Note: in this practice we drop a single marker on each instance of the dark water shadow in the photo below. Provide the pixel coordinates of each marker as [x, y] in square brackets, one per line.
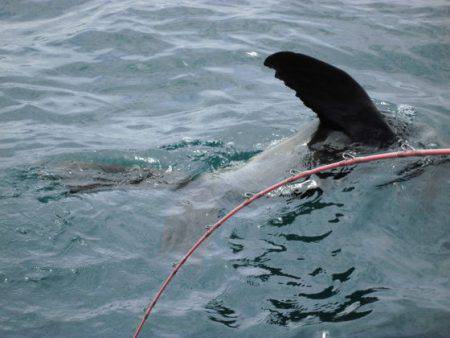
[261, 262]
[222, 314]
[311, 204]
[286, 311]
[414, 169]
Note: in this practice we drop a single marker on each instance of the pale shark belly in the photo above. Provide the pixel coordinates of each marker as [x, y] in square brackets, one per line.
[204, 200]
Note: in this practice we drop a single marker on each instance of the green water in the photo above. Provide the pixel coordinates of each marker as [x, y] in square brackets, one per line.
[181, 87]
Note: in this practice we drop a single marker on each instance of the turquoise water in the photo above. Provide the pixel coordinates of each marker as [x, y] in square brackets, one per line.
[111, 91]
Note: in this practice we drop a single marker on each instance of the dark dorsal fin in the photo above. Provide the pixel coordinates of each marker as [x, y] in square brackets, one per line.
[338, 100]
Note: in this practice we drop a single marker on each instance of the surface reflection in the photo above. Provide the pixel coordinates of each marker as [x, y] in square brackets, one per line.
[285, 311]
[315, 288]
[219, 313]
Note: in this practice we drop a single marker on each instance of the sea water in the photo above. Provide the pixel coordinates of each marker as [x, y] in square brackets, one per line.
[180, 87]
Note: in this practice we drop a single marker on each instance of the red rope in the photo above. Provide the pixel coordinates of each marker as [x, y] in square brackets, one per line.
[344, 163]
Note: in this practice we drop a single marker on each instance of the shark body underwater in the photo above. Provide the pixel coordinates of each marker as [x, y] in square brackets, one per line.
[347, 120]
